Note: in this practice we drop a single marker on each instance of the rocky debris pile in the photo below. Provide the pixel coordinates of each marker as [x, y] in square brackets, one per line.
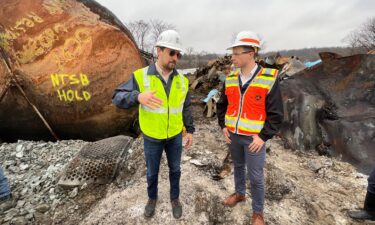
[207, 82]
[32, 169]
[292, 67]
[301, 188]
[212, 156]
[208, 77]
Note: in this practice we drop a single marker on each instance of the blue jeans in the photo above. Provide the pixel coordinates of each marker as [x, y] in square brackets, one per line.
[242, 158]
[153, 152]
[4, 185]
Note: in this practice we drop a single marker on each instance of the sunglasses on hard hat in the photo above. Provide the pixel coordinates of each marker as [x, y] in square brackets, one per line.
[174, 52]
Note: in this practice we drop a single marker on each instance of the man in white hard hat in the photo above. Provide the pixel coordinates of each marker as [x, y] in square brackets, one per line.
[164, 108]
[250, 111]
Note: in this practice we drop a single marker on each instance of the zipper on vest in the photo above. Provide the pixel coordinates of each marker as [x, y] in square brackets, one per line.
[240, 112]
[167, 95]
[257, 71]
[168, 111]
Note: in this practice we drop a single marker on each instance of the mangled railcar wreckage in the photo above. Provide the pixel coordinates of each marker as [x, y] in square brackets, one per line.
[331, 107]
[60, 62]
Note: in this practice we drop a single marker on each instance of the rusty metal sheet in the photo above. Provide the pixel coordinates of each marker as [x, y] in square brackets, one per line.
[333, 104]
[68, 56]
[3, 81]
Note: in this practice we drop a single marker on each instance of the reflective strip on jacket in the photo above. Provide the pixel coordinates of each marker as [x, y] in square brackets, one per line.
[246, 113]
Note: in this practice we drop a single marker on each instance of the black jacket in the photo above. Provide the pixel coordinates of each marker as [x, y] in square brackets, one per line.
[274, 109]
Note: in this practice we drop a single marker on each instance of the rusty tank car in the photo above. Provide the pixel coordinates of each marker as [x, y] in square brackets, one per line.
[331, 108]
[60, 62]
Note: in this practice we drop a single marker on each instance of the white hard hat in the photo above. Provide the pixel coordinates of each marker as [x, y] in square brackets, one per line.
[246, 38]
[169, 39]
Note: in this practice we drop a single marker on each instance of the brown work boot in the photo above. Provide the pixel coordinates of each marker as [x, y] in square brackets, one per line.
[257, 219]
[233, 199]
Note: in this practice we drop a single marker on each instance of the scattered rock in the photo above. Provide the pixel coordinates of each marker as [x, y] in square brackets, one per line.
[42, 208]
[73, 193]
[19, 221]
[19, 154]
[302, 188]
[29, 216]
[10, 214]
[315, 165]
[277, 185]
[24, 166]
[196, 162]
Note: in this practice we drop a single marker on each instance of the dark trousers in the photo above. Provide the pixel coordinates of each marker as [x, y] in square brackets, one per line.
[242, 158]
[370, 196]
[371, 182]
[153, 152]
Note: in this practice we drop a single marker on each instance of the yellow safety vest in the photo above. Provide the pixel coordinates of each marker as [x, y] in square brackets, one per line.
[165, 121]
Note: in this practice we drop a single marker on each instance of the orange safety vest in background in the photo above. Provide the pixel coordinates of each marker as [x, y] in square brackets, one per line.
[246, 113]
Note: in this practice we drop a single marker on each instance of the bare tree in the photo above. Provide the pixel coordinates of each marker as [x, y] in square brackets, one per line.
[233, 38]
[146, 33]
[364, 36]
[189, 51]
[189, 54]
[157, 27]
[140, 30]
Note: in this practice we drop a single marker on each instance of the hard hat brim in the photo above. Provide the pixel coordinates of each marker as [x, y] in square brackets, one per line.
[243, 44]
[169, 46]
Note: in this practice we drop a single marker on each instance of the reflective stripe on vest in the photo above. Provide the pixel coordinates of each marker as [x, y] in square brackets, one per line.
[146, 84]
[244, 124]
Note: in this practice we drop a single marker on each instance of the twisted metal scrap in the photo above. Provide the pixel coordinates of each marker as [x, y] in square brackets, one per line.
[96, 162]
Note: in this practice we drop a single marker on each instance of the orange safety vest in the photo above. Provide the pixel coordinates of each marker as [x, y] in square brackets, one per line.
[246, 113]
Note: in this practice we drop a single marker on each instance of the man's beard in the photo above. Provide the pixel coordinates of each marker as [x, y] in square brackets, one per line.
[170, 66]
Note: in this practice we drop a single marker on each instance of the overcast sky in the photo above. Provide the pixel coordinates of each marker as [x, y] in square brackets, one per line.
[284, 24]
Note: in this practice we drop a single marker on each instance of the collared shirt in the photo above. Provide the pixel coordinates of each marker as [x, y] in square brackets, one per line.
[160, 71]
[245, 79]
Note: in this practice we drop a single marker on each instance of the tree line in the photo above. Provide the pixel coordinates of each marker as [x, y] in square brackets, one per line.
[145, 33]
